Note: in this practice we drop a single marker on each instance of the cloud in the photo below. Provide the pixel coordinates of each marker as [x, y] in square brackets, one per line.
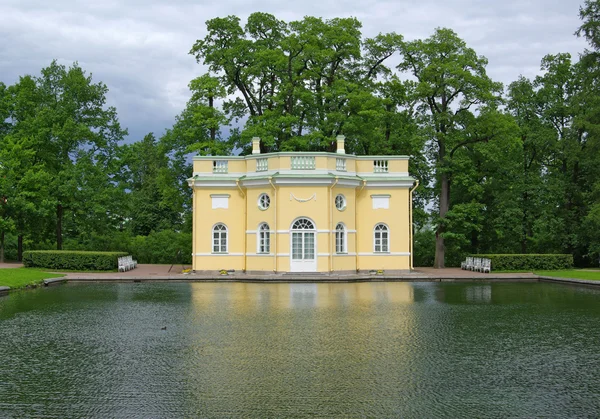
[139, 49]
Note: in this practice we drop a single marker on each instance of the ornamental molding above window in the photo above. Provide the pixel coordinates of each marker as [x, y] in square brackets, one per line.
[380, 201]
[220, 201]
[292, 196]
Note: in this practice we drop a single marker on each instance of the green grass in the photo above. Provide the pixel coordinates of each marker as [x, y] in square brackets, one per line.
[572, 273]
[22, 277]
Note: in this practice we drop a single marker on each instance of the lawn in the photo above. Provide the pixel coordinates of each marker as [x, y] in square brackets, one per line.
[572, 273]
[21, 277]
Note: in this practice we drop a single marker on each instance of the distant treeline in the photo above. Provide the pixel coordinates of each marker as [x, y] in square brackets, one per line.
[502, 169]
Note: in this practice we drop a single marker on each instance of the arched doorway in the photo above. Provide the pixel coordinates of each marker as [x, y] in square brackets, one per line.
[303, 252]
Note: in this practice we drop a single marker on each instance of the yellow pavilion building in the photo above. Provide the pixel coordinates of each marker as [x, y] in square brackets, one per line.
[302, 212]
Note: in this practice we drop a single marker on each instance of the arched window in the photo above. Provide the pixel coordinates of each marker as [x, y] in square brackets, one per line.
[220, 238]
[381, 238]
[264, 238]
[303, 224]
[340, 239]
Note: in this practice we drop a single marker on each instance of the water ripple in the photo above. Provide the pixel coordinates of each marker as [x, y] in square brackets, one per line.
[300, 350]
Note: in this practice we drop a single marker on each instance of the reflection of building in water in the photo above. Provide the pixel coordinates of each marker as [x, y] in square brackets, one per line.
[257, 342]
[479, 294]
[249, 296]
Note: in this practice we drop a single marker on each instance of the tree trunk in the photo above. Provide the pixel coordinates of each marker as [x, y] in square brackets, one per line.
[2, 247]
[525, 222]
[213, 130]
[440, 249]
[59, 217]
[20, 248]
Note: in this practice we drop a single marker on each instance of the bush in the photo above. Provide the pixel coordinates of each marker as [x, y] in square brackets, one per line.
[424, 248]
[158, 247]
[529, 262]
[72, 260]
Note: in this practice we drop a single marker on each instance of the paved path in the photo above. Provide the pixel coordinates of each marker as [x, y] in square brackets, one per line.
[10, 265]
[168, 272]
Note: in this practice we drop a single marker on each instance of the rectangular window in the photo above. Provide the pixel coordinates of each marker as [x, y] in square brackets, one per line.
[297, 246]
[220, 166]
[340, 242]
[262, 165]
[381, 239]
[303, 163]
[264, 240]
[380, 166]
[309, 246]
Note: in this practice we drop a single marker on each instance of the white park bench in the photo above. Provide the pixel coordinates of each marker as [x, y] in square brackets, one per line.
[126, 263]
[466, 265]
[483, 265]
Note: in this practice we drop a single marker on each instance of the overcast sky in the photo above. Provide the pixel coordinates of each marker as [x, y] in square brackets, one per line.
[139, 48]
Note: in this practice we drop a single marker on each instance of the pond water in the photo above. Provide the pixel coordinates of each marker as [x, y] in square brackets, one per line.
[301, 350]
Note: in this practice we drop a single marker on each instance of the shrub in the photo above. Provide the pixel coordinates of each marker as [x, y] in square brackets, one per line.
[529, 262]
[72, 260]
[424, 248]
[157, 247]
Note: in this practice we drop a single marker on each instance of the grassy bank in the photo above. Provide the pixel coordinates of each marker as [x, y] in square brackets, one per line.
[22, 277]
[572, 273]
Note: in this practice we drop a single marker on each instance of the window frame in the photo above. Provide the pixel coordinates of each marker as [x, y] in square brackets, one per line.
[344, 202]
[221, 232]
[341, 239]
[263, 241]
[259, 201]
[382, 244]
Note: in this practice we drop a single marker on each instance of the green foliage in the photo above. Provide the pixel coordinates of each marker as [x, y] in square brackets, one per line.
[166, 246]
[529, 262]
[72, 260]
[424, 248]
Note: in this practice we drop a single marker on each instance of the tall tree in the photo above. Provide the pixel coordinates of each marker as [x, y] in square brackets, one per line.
[296, 81]
[74, 134]
[146, 178]
[457, 107]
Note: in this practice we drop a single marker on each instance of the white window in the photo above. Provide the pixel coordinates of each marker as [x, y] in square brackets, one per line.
[380, 201]
[264, 238]
[220, 238]
[381, 239]
[340, 202]
[220, 201]
[264, 201]
[340, 239]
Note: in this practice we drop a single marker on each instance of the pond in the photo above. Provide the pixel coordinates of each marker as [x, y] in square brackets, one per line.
[301, 350]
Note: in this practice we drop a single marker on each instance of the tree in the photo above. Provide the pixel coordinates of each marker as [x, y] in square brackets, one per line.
[74, 135]
[298, 82]
[457, 107]
[146, 181]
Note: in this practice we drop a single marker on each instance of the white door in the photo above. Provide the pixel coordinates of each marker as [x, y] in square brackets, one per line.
[303, 256]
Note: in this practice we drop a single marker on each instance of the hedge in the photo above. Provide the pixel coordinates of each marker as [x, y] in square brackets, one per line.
[72, 260]
[529, 261]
